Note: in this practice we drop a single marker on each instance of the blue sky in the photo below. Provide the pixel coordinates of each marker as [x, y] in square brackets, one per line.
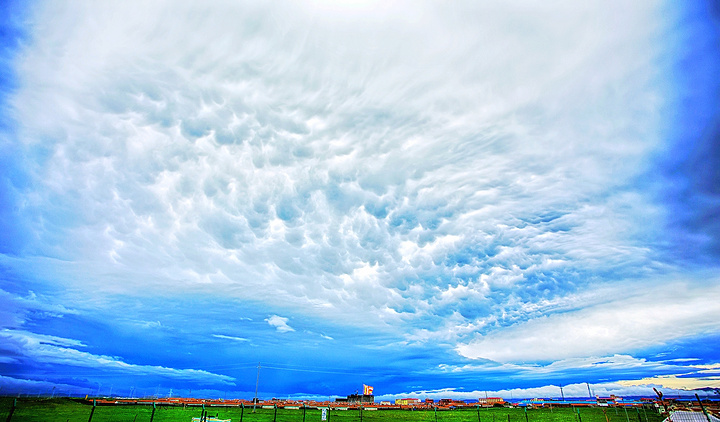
[435, 199]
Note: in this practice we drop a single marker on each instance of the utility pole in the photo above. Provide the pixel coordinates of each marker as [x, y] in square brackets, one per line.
[257, 382]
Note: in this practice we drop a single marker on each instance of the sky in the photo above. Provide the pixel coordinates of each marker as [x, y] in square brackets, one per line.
[437, 199]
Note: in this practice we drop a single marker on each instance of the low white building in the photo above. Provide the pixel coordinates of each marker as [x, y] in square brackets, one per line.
[687, 416]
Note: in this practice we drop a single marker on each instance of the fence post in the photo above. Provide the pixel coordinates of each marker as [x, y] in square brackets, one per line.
[638, 413]
[578, 413]
[702, 407]
[92, 411]
[435, 413]
[626, 414]
[275, 415]
[12, 409]
[526, 416]
[303, 412]
[478, 411]
[153, 413]
[242, 410]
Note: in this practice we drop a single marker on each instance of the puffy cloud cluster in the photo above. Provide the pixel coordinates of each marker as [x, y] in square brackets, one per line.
[280, 323]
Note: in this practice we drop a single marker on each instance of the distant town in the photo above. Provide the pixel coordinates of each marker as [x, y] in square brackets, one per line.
[367, 402]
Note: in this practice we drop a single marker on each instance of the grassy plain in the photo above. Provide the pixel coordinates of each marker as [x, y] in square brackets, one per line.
[69, 410]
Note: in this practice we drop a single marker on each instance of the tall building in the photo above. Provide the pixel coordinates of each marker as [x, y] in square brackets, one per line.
[356, 398]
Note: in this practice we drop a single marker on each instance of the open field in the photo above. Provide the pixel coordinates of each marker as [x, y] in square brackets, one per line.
[72, 410]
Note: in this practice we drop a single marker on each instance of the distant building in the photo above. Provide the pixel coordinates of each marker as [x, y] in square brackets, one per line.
[356, 398]
[408, 401]
[687, 416]
[491, 401]
[450, 403]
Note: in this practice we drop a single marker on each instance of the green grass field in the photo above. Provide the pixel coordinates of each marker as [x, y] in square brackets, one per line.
[69, 410]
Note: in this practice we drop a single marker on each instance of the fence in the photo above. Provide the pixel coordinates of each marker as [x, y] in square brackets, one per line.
[68, 410]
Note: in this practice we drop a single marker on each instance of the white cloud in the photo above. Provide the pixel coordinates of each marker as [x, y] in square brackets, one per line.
[634, 320]
[579, 390]
[280, 323]
[675, 382]
[573, 367]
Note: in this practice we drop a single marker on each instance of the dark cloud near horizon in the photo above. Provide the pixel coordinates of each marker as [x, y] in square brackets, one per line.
[690, 185]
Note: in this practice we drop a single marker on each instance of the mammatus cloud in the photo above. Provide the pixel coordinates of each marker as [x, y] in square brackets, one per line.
[359, 189]
[280, 323]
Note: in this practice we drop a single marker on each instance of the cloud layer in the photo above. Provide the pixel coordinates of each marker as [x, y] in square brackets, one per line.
[467, 177]
[500, 167]
[633, 322]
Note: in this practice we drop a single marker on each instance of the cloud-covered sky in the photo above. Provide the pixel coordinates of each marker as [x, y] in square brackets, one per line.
[430, 198]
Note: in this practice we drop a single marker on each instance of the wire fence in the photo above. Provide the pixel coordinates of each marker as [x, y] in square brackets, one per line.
[67, 410]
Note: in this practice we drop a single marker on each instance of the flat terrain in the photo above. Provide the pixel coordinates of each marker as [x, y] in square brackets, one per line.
[70, 410]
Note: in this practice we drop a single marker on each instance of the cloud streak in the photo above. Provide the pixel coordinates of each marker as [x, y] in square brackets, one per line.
[222, 336]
